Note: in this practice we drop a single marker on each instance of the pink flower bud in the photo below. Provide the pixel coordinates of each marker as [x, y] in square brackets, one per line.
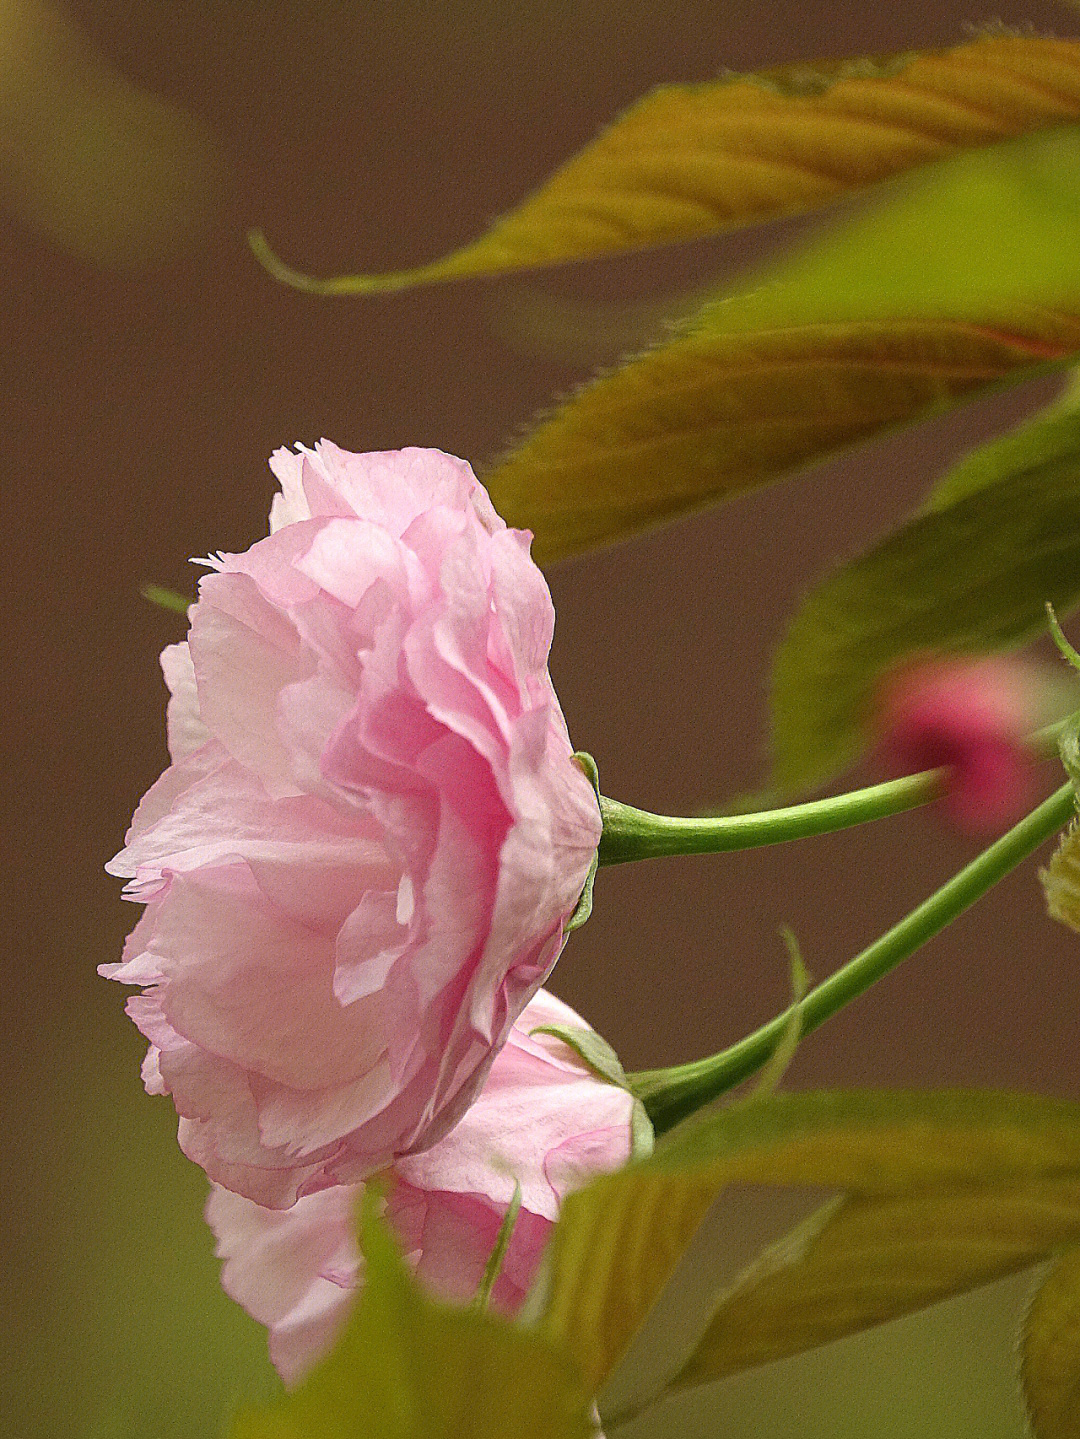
[358, 867]
[543, 1121]
[971, 717]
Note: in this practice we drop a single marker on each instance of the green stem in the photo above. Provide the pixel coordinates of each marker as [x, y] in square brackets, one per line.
[631, 833]
[669, 1095]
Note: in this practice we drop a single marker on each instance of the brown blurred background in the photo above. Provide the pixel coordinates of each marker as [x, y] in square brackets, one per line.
[150, 369]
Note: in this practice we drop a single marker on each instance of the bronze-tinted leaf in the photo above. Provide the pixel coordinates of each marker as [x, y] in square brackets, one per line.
[696, 159]
[968, 276]
[709, 415]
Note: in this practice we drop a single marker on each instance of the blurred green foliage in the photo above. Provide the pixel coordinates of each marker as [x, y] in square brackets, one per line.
[126, 1334]
[106, 171]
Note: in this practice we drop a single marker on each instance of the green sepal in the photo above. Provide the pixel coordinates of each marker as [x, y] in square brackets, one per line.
[595, 1051]
[642, 1134]
[1069, 748]
[592, 1048]
[583, 908]
[497, 1257]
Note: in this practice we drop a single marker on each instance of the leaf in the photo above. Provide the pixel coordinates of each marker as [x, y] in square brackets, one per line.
[968, 277]
[540, 324]
[863, 1261]
[109, 172]
[618, 1240]
[406, 1367]
[1047, 436]
[697, 159]
[969, 577]
[166, 599]
[1050, 1353]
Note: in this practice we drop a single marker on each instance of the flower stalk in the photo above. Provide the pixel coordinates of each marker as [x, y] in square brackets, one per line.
[631, 833]
[670, 1095]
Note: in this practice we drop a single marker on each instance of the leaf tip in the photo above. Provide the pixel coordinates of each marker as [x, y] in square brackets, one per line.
[165, 599]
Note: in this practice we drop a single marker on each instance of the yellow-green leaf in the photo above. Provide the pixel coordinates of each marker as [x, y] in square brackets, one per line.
[967, 577]
[866, 1260]
[619, 1239]
[405, 1367]
[697, 159]
[1050, 1353]
[1069, 740]
[967, 277]
[1052, 434]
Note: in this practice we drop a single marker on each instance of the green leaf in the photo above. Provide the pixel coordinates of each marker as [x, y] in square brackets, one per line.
[967, 577]
[111, 173]
[969, 276]
[1050, 1353]
[618, 1240]
[405, 1367]
[692, 160]
[1048, 436]
[864, 1260]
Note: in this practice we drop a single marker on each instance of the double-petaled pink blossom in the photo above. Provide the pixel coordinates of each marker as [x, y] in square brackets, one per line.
[543, 1121]
[358, 867]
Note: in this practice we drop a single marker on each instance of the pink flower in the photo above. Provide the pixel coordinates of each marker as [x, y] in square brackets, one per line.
[358, 867]
[543, 1119]
[972, 716]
